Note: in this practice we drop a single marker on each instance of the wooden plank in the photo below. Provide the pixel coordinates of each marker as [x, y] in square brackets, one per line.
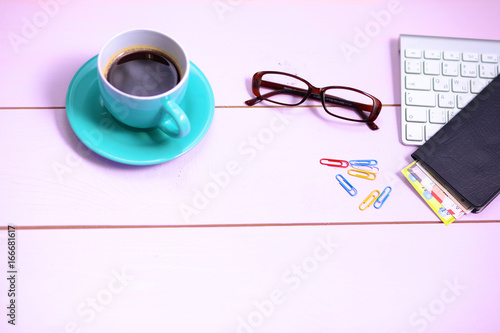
[351, 44]
[256, 165]
[391, 278]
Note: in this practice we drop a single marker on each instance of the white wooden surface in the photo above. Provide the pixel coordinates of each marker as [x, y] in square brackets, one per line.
[214, 270]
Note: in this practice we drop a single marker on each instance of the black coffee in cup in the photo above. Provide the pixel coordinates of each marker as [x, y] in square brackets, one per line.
[143, 72]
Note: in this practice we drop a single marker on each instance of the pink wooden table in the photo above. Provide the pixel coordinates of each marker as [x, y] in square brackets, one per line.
[246, 232]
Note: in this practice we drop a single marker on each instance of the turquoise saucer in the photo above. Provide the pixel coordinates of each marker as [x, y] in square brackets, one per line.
[100, 132]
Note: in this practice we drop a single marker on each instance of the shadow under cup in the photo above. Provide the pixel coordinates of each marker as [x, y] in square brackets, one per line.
[149, 71]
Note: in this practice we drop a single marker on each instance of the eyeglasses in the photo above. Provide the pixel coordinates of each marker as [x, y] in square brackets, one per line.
[341, 102]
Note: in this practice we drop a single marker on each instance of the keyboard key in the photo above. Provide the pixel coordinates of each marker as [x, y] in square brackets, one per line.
[415, 132]
[431, 67]
[477, 85]
[441, 84]
[432, 54]
[451, 55]
[460, 85]
[468, 56]
[431, 129]
[489, 58]
[487, 71]
[437, 116]
[413, 53]
[416, 114]
[468, 69]
[450, 68]
[417, 98]
[413, 66]
[464, 99]
[446, 100]
[418, 82]
[452, 113]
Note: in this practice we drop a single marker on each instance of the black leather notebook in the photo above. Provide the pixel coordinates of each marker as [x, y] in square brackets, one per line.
[464, 155]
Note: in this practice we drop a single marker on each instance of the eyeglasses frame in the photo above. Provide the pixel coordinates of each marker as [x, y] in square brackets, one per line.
[317, 94]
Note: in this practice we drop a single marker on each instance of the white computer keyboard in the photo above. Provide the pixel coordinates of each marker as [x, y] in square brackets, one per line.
[439, 76]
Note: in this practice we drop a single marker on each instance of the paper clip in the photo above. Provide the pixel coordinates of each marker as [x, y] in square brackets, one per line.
[366, 167]
[382, 197]
[363, 162]
[362, 174]
[369, 199]
[345, 184]
[334, 163]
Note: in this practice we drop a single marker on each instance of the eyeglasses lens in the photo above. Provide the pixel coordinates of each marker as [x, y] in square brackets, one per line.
[283, 89]
[347, 103]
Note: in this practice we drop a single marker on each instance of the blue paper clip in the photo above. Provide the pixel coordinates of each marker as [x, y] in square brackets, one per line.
[382, 197]
[363, 162]
[334, 163]
[345, 184]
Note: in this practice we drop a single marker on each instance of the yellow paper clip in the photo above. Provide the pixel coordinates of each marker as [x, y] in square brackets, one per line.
[362, 174]
[369, 200]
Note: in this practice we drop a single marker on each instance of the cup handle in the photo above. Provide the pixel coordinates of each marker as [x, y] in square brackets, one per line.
[175, 123]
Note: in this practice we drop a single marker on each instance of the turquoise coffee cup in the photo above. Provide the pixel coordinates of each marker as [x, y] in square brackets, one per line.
[135, 107]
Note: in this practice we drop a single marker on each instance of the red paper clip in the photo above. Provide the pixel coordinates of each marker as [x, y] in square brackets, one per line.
[334, 163]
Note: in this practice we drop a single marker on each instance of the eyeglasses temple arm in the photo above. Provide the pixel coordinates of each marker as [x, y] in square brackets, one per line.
[280, 89]
[301, 92]
[258, 99]
[345, 102]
